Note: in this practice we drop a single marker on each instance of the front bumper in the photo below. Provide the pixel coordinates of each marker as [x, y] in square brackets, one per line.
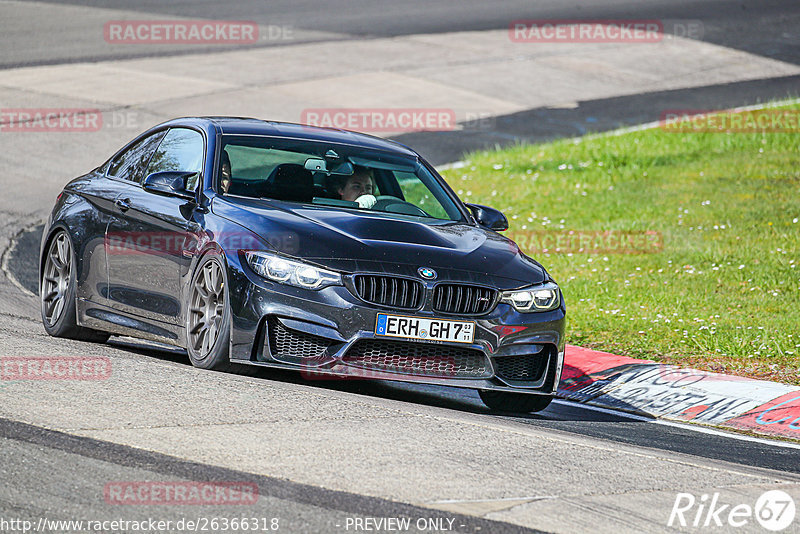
[331, 333]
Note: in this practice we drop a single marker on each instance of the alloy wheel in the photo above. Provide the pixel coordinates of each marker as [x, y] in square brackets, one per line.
[56, 279]
[206, 308]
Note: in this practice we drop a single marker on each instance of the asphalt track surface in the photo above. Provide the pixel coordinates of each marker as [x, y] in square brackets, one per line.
[56, 474]
[765, 28]
[563, 416]
[299, 507]
[49, 462]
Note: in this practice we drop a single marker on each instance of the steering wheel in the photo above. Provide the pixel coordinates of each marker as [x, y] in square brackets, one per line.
[392, 204]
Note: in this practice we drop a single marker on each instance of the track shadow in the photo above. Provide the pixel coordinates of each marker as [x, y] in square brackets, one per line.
[443, 397]
[451, 398]
[569, 418]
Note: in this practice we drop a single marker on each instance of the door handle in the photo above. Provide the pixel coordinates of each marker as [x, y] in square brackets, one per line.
[124, 204]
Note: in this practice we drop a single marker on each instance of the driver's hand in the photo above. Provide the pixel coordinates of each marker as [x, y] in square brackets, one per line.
[366, 201]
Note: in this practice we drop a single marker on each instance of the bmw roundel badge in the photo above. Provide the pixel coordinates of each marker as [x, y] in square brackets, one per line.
[427, 273]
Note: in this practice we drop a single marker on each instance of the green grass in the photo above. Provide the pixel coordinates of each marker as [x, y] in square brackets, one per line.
[722, 294]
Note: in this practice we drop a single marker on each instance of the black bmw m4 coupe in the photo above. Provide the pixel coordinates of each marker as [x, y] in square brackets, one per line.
[333, 253]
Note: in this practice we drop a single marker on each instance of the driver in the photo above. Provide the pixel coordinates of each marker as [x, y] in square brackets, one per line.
[359, 187]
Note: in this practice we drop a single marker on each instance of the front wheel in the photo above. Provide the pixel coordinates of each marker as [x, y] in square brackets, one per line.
[504, 401]
[208, 316]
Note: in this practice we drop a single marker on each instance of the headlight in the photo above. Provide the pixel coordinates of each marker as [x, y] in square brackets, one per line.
[544, 297]
[293, 273]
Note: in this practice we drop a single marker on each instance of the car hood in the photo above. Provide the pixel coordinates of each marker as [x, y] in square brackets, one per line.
[351, 241]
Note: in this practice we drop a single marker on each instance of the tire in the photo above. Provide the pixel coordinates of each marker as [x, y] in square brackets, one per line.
[208, 316]
[504, 401]
[57, 292]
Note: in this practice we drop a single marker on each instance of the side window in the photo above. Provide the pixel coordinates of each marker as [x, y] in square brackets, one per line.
[181, 150]
[130, 164]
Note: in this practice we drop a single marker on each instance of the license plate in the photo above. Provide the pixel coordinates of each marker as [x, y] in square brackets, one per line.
[421, 328]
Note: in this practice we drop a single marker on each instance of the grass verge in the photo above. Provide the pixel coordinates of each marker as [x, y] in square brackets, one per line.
[723, 291]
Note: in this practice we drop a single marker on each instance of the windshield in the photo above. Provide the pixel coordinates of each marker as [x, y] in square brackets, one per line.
[333, 175]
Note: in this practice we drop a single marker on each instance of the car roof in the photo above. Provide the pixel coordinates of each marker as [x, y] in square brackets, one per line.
[251, 126]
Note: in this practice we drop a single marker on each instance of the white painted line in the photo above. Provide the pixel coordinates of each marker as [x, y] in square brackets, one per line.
[534, 498]
[684, 426]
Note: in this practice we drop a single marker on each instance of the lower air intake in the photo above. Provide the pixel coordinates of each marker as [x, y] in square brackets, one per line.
[287, 343]
[421, 359]
[523, 368]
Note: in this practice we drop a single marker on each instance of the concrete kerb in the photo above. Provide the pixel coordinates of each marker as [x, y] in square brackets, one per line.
[685, 395]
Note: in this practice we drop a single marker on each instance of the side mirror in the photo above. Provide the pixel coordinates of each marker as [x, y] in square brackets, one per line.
[169, 183]
[489, 217]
